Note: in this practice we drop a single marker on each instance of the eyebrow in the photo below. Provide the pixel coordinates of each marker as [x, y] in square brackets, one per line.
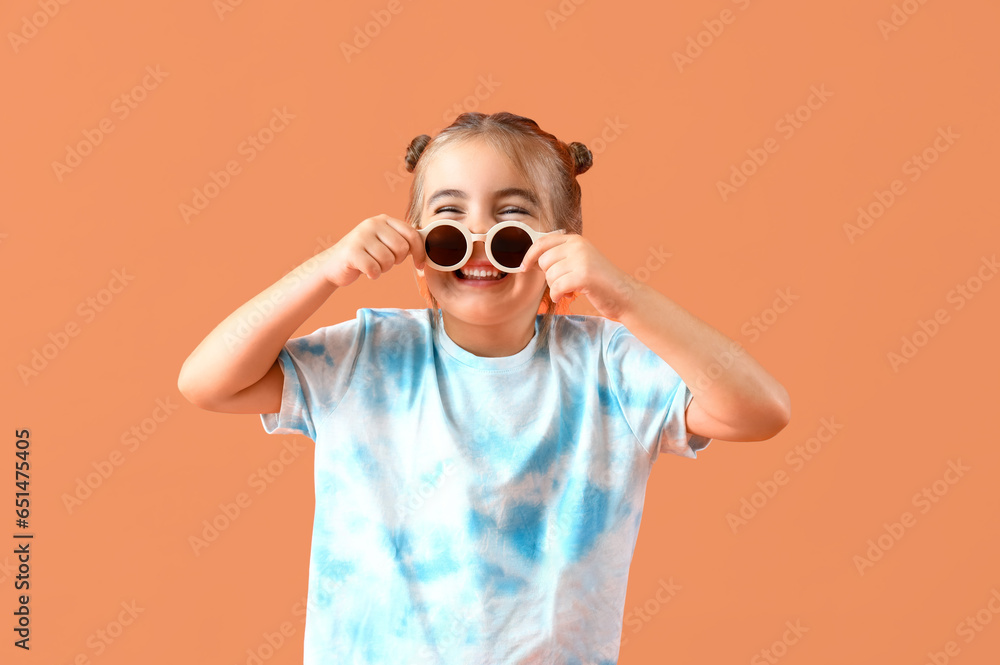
[526, 194]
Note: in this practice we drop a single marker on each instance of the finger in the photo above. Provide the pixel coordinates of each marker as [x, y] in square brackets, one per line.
[413, 239]
[396, 243]
[557, 278]
[531, 256]
[539, 248]
[383, 257]
[558, 293]
[367, 264]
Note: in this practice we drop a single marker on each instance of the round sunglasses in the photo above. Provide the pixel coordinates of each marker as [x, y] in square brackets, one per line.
[448, 244]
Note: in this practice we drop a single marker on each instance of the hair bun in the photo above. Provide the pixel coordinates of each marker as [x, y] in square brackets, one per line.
[414, 150]
[582, 157]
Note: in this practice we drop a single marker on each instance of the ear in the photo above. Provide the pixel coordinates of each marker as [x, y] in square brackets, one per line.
[425, 292]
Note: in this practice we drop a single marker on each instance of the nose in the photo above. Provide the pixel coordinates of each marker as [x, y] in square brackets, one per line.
[480, 217]
[478, 251]
[479, 226]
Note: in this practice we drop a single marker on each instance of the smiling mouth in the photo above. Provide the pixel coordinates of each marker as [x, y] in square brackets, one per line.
[488, 278]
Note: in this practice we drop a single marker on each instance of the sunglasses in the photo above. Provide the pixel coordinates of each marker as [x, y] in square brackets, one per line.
[448, 244]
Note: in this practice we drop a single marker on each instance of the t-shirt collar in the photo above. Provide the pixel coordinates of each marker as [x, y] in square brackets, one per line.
[448, 345]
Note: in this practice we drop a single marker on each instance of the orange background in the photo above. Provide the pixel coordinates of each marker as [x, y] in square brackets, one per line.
[653, 185]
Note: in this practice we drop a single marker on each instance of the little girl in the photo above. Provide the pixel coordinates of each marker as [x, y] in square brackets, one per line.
[480, 465]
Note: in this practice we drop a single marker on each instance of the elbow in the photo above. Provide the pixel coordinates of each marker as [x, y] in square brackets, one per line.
[184, 389]
[187, 387]
[781, 412]
[769, 419]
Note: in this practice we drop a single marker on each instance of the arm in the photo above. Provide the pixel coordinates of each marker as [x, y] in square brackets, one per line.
[235, 368]
[742, 403]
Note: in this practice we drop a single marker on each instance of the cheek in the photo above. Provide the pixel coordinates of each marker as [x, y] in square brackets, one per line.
[537, 283]
[436, 279]
[535, 276]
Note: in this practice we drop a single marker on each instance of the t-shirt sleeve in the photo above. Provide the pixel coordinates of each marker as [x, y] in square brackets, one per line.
[652, 396]
[317, 372]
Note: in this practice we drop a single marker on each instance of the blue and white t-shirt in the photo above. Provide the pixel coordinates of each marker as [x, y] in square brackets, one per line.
[473, 509]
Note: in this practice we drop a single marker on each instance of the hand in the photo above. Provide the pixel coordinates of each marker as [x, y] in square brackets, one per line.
[571, 263]
[373, 247]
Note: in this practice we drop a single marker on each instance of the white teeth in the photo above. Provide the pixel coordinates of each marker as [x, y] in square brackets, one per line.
[481, 273]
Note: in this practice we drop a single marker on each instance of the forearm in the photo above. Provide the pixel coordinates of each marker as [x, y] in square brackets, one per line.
[728, 384]
[241, 349]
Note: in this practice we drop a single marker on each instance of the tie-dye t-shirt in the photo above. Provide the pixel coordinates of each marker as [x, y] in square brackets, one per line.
[469, 509]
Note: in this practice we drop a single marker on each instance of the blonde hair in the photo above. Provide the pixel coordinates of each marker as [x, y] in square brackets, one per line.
[536, 155]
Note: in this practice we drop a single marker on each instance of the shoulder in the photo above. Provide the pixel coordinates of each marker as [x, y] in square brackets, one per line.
[582, 330]
[394, 317]
[394, 325]
[368, 322]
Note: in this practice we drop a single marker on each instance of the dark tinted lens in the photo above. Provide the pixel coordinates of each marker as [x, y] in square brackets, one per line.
[445, 245]
[510, 245]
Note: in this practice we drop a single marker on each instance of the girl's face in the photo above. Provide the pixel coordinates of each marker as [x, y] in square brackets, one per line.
[470, 184]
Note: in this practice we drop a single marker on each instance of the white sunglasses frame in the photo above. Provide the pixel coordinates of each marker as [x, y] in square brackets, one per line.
[486, 238]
